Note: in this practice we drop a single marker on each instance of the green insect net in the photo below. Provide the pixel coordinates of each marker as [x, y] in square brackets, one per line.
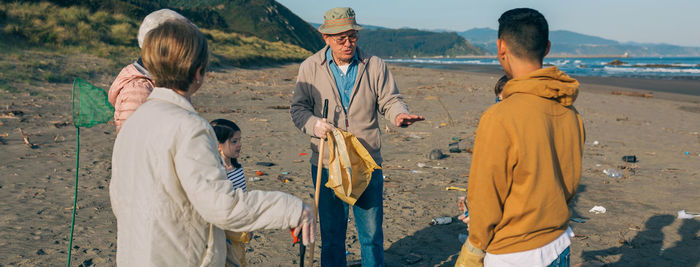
[90, 107]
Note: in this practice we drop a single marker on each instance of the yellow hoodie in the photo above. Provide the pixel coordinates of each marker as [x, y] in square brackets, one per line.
[526, 164]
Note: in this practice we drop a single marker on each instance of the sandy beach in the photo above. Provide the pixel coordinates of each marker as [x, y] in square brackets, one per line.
[640, 226]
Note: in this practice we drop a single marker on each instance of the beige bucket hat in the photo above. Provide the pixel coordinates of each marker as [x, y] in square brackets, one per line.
[339, 19]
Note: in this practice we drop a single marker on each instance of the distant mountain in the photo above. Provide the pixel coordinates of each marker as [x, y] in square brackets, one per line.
[483, 38]
[569, 37]
[568, 43]
[480, 35]
[406, 42]
[366, 27]
[412, 42]
[488, 35]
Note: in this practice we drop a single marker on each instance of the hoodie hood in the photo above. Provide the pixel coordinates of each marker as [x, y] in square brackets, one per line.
[547, 83]
[130, 73]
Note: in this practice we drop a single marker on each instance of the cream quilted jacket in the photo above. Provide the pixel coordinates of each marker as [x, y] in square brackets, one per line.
[169, 191]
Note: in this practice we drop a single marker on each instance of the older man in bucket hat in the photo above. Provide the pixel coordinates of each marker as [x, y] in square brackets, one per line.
[358, 87]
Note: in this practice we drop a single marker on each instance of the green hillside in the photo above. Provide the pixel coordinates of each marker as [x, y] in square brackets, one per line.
[412, 42]
[265, 19]
[54, 42]
[271, 21]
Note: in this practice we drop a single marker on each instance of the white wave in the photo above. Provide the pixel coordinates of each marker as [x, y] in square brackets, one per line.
[558, 62]
[623, 64]
[669, 65]
[646, 70]
[443, 61]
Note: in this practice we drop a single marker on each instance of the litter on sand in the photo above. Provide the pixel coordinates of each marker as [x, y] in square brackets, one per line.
[630, 159]
[454, 147]
[455, 188]
[283, 179]
[682, 214]
[441, 220]
[415, 136]
[436, 154]
[613, 172]
[578, 220]
[423, 165]
[598, 209]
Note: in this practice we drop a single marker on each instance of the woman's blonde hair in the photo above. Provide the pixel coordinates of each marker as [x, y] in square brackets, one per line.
[172, 53]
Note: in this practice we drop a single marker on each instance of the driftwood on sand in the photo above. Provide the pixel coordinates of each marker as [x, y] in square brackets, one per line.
[628, 93]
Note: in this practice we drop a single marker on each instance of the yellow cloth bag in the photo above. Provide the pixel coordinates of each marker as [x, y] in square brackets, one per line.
[470, 256]
[350, 166]
[235, 248]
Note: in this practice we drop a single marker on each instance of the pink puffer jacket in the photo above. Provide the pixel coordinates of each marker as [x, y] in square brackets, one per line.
[128, 91]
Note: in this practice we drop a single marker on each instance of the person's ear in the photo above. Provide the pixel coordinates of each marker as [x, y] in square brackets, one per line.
[501, 47]
[327, 39]
[199, 76]
[546, 52]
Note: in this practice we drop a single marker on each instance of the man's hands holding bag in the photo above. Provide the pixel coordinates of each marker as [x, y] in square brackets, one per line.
[322, 128]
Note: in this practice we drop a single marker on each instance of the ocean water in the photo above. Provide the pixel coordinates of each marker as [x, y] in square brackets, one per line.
[643, 67]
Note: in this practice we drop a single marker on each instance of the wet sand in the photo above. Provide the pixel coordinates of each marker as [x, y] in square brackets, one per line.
[686, 90]
[639, 228]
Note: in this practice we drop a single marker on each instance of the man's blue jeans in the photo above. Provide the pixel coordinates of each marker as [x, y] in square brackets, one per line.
[333, 215]
[563, 259]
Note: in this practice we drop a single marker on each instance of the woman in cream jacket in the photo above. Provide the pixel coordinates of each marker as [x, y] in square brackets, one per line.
[169, 191]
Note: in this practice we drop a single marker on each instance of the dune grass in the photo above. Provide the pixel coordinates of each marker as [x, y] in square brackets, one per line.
[43, 42]
[237, 49]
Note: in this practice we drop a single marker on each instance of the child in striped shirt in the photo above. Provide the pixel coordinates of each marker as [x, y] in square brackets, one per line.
[229, 136]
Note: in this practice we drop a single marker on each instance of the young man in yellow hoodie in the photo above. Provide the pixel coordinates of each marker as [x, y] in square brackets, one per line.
[527, 156]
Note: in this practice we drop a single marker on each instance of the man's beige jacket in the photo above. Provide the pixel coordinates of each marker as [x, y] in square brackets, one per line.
[374, 92]
[169, 191]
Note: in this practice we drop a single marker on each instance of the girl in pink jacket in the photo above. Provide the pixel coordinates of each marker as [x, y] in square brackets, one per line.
[133, 84]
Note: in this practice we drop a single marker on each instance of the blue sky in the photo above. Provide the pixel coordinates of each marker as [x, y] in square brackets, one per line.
[648, 21]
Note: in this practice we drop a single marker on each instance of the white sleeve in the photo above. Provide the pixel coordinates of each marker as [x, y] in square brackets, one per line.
[203, 179]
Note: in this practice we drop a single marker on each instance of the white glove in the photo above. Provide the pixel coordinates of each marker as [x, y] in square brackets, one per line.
[307, 225]
[322, 128]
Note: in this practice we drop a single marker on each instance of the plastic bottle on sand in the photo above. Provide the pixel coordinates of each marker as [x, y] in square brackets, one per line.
[612, 172]
[441, 220]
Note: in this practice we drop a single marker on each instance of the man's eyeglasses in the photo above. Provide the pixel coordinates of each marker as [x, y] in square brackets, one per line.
[341, 39]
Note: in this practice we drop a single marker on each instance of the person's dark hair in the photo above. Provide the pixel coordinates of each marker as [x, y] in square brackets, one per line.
[526, 32]
[224, 130]
[500, 84]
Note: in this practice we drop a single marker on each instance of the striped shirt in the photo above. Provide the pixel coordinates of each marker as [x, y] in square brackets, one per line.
[237, 177]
